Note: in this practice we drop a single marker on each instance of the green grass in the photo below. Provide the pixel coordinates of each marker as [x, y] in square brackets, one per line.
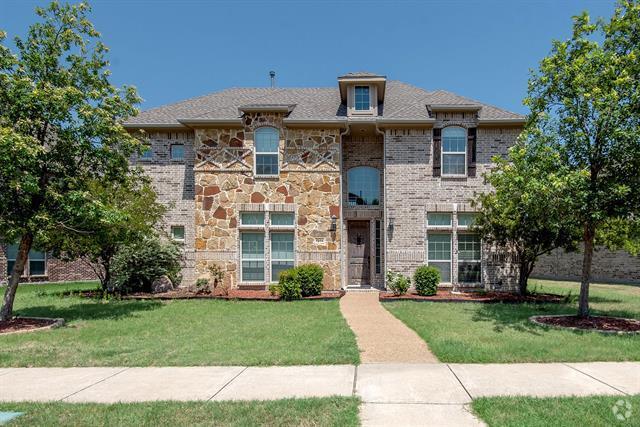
[501, 333]
[176, 333]
[592, 411]
[331, 411]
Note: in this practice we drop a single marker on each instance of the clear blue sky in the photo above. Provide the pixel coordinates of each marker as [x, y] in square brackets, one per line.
[173, 50]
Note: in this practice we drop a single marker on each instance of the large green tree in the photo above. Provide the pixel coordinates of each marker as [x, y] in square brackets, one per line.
[128, 212]
[529, 209]
[60, 130]
[586, 95]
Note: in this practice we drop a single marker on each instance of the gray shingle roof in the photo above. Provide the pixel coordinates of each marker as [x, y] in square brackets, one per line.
[402, 101]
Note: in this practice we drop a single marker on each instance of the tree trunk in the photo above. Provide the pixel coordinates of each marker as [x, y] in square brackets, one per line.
[523, 277]
[588, 239]
[17, 271]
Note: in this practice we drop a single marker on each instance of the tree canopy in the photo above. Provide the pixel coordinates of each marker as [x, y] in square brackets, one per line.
[585, 100]
[60, 131]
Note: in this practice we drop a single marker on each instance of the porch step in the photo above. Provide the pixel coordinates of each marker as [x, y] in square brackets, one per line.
[361, 289]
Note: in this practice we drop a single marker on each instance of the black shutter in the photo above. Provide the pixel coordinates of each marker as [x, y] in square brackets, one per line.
[437, 149]
[471, 152]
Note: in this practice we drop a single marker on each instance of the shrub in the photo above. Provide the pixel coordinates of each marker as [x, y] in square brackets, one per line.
[136, 266]
[202, 285]
[397, 283]
[274, 289]
[426, 279]
[310, 276]
[289, 285]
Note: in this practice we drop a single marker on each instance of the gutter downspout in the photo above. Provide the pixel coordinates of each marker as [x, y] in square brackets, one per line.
[383, 229]
[343, 279]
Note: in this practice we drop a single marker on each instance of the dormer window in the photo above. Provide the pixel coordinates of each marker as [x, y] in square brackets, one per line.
[362, 98]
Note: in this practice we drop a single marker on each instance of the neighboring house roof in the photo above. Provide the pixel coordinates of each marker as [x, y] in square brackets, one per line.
[402, 102]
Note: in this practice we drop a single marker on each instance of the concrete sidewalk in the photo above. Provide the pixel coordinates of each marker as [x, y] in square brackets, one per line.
[407, 394]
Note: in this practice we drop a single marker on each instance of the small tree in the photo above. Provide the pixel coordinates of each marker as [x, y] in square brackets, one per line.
[528, 211]
[129, 213]
[60, 130]
[586, 94]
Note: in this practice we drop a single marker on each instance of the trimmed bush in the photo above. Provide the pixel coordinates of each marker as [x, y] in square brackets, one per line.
[289, 285]
[426, 279]
[274, 289]
[397, 283]
[310, 276]
[136, 266]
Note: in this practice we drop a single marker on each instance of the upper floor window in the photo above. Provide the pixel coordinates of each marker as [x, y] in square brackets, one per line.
[364, 186]
[267, 140]
[454, 151]
[147, 152]
[177, 152]
[361, 101]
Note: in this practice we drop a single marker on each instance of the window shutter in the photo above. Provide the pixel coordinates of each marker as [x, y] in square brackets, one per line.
[437, 150]
[471, 152]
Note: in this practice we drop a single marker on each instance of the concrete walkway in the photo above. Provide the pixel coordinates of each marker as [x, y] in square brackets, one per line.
[381, 337]
[392, 394]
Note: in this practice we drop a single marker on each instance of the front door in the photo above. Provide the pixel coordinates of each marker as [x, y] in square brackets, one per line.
[359, 239]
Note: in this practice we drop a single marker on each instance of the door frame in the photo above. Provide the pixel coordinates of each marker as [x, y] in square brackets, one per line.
[369, 281]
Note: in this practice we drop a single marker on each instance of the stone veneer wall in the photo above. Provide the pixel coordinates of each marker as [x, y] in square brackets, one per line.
[608, 266]
[411, 191]
[309, 185]
[173, 180]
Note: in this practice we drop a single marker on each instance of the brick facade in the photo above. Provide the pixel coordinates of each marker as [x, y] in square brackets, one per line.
[55, 270]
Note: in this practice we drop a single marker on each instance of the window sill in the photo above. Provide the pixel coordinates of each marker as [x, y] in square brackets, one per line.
[252, 227]
[454, 177]
[256, 176]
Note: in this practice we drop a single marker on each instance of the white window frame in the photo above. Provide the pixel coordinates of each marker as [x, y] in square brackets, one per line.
[184, 232]
[355, 103]
[450, 233]
[264, 258]
[442, 152]
[464, 226]
[479, 261]
[284, 227]
[270, 153]
[293, 259]
[253, 226]
[437, 226]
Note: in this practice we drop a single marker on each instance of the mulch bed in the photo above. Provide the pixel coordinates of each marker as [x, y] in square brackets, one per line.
[476, 296]
[26, 324]
[234, 294]
[605, 324]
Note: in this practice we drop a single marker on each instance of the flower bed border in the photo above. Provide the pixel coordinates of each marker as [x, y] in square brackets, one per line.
[536, 320]
[56, 322]
[328, 296]
[489, 298]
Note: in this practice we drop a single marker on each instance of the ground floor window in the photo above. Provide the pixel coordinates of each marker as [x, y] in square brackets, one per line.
[439, 254]
[252, 257]
[282, 257]
[36, 264]
[469, 261]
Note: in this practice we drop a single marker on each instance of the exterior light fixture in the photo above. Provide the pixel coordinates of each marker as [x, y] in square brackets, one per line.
[334, 223]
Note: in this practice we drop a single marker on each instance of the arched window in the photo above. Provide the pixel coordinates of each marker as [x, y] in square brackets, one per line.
[454, 151]
[364, 186]
[267, 140]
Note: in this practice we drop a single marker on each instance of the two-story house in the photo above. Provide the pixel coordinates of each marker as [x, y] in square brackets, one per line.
[368, 176]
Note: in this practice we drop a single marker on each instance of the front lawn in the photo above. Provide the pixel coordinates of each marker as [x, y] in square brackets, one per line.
[331, 411]
[176, 333]
[592, 411]
[501, 333]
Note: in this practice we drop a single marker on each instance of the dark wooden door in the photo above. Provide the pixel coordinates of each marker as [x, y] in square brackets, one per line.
[359, 242]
